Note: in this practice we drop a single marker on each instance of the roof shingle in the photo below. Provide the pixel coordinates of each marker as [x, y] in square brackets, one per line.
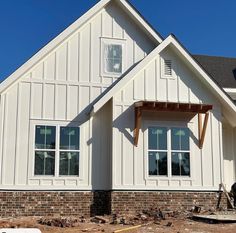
[221, 69]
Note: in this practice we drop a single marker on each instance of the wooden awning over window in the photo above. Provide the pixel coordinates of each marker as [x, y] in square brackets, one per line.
[172, 107]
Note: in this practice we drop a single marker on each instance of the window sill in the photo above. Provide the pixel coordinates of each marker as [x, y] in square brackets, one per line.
[171, 178]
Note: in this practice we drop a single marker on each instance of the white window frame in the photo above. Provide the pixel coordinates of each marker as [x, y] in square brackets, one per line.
[168, 125]
[112, 41]
[57, 151]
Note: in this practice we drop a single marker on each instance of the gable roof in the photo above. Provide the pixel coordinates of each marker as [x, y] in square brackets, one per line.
[71, 29]
[170, 40]
[221, 69]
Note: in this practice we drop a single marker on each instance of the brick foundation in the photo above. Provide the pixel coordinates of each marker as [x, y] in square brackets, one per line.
[134, 202]
[23, 203]
[54, 203]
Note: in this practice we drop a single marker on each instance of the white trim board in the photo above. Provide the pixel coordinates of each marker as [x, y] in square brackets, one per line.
[69, 31]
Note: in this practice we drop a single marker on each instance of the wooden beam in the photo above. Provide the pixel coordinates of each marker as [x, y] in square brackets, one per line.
[138, 118]
[199, 127]
[203, 133]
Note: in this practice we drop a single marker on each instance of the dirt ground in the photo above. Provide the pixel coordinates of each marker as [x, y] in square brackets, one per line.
[163, 226]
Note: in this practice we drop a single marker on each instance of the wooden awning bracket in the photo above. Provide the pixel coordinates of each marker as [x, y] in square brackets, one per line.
[202, 129]
[199, 109]
[138, 120]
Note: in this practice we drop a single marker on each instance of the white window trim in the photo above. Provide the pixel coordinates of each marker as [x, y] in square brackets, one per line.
[173, 68]
[57, 124]
[168, 125]
[105, 41]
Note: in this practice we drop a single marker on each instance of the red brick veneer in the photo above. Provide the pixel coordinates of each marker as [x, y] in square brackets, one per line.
[53, 203]
[134, 202]
[72, 203]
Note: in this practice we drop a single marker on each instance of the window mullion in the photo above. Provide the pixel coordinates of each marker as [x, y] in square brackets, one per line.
[169, 151]
[57, 159]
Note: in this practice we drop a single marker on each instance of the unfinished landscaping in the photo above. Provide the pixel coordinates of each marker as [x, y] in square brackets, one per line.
[147, 222]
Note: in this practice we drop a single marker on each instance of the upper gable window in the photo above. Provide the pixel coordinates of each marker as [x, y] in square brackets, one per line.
[112, 59]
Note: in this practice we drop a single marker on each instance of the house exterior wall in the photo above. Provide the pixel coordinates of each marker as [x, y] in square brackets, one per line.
[130, 163]
[59, 91]
[229, 155]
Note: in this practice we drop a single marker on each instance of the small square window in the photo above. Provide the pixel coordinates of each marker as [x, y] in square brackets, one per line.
[112, 57]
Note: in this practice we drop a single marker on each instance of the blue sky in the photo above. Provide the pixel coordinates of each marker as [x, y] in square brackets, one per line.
[203, 26]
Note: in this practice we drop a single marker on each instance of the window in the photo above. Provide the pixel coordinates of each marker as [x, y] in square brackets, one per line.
[113, 58]
[113, 53]
[180, 161]
[48, 153]
[45, 140]
[157, 150]
[69, 151]
[168, 147]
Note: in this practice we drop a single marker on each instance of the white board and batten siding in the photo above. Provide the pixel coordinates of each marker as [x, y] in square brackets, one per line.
[130, 170]
[56, 91]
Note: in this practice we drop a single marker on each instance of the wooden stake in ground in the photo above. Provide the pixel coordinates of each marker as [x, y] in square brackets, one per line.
[128, 229]
[227, 195]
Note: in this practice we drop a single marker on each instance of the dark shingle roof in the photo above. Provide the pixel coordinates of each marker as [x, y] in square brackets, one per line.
[221, 69]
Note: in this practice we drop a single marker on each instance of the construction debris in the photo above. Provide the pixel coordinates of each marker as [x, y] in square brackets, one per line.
[216, 218]
[227, 195]
[59, 222]
[100, 219]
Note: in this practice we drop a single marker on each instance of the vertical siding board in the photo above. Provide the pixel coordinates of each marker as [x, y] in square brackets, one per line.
[49, 65]
[117, 148]
[3, 111]
[85, 53]
[107, 24]
[95, 50]
[216, 150]
[61, 62]
[37, 99]
[206, 158]
[17, 132]
[61, 102]
[196, 157]
[72, 110]
[37, 72]
[49, 96]
[172, 90]
[127, 152]
[139, 82]
[22, 135]
[150, 93]
[84, 97]
[3, 166]
[10, 146]
[73, 58]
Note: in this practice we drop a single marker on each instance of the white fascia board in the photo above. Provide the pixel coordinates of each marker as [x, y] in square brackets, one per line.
[230, 90]
[141, 21]
[169, 40]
